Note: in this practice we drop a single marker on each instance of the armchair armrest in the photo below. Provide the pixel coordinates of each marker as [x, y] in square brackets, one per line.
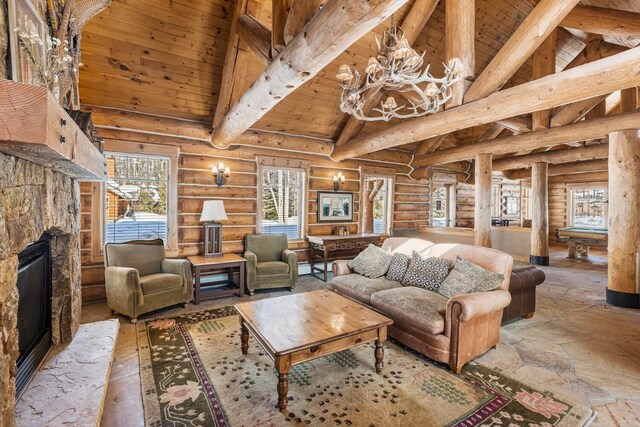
[340, 267]
[181, 267]
[479, 303]
[124, 281]
[252, 260]
[289, 257]
[250, 268]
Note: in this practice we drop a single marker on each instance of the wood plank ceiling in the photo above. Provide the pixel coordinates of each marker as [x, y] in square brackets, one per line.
[165, 57]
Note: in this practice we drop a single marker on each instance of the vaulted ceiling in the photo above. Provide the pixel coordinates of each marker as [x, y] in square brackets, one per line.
[165, 57]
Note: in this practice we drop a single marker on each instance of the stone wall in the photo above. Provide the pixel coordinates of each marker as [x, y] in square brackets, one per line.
[36, 200]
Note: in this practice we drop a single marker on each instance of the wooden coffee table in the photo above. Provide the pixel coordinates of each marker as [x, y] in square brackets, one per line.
[297, 328]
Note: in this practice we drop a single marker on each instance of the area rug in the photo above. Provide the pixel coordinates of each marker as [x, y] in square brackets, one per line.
[194, 374]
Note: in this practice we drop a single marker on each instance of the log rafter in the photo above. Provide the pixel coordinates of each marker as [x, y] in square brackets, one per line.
[331, 30]
[600, 77]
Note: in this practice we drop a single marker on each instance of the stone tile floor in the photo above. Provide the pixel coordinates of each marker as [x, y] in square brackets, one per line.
[576, 345]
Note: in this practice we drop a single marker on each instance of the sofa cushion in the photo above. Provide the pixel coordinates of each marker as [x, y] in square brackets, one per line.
[427, 273]
[373, 262]
[417, 307]
[398, 267]
[159, 282]
[272, 267]
[361, 288]
[467, 277]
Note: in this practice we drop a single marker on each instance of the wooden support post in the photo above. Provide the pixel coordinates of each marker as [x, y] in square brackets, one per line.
[482, 211]
[539, 214]
[544, 64]
[623, 284]
[460, 43]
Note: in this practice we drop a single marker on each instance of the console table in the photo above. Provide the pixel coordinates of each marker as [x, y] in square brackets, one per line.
[324, 248]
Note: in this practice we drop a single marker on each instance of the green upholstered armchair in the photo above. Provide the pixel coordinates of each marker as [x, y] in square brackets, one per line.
[270, 263]
[139, 278]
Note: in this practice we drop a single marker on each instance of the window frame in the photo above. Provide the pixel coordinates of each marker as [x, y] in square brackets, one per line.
[267, 163]
[450, 196]
[98, 194]
[587, 186]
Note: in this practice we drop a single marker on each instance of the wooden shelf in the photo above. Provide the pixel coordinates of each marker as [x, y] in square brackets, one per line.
[34, 126]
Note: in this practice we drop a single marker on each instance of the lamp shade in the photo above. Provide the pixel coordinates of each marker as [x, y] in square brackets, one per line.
[213, 210]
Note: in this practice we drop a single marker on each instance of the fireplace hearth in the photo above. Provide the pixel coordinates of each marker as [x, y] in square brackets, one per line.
[34, 310]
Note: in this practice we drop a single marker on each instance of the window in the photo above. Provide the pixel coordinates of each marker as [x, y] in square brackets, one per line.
[589, 207]
[442, 205]
[139, 200]
[377, 204]
[282, 202]
[136, 198]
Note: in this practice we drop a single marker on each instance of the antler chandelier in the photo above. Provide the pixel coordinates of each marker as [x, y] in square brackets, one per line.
[396, 67]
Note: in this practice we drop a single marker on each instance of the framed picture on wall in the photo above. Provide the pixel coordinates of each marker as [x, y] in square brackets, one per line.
[335, 206]
[23, 13]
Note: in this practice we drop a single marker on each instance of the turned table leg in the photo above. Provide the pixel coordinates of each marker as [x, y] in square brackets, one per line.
[283, 391]
[244, 337]
[379, 353]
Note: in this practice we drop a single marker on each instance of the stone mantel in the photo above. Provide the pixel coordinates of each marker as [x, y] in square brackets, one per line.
[35, 200]
[34, 126]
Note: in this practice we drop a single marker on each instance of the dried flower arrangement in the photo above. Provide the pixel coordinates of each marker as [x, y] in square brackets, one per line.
[51, 63]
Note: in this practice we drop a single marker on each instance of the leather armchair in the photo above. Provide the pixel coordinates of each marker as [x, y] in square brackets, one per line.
[270, 263]
[139, 278]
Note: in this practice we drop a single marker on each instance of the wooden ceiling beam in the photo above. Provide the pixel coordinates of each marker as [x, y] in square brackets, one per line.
[459, 36]
[606, 22]
[256, 36]
[301, 12]
[519, 124]
[533, 31]
[601, 176]
[592, 152]
[430, 145]
[544, 64]
[564, 169]
[279, 13]
[597, 78]
[412, 25]
[236, 63]
[332, 30]
[582, 131]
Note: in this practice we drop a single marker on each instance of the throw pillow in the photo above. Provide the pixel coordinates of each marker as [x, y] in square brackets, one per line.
[427, 273]
[398, 267]
[373, 262]
[468, 277]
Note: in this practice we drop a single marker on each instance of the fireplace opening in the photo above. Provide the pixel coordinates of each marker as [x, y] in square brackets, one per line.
[34, 309]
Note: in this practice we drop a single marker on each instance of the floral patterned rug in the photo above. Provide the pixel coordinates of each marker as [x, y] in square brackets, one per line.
[194, 374]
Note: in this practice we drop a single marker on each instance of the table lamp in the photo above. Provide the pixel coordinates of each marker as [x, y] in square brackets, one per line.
[212, 212]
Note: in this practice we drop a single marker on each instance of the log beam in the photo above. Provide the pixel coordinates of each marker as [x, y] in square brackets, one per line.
[412, 25]
[332, 30]
[256, 36]
[520, 124]
[544, 64]
[564, 169]
[301, 12]
[606, 22]
[482, 207]
[460, 43]
[279, 12]
[430, 145]
[597, 78]
[539, 215]
[581, 131]
[623, 284]
[600, 151]
[533, 31]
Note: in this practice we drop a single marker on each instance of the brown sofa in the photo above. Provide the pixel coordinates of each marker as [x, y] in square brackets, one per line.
[452, 331]
[525, 278]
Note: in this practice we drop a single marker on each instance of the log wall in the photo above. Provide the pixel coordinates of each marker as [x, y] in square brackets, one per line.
[240, 195]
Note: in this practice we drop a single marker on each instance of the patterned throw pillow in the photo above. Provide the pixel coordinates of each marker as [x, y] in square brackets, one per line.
[398, 267]
[427, 273]
[373, 262]
[467, 277]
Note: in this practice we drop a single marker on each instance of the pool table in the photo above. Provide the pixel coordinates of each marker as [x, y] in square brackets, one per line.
[579, 239]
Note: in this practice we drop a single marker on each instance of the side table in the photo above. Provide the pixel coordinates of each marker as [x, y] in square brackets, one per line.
[228, 262]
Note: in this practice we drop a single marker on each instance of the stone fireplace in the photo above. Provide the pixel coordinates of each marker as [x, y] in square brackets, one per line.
[35, 200]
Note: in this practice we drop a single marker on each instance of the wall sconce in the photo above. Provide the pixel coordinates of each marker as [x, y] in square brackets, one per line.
[221, 174]
[338, 181]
